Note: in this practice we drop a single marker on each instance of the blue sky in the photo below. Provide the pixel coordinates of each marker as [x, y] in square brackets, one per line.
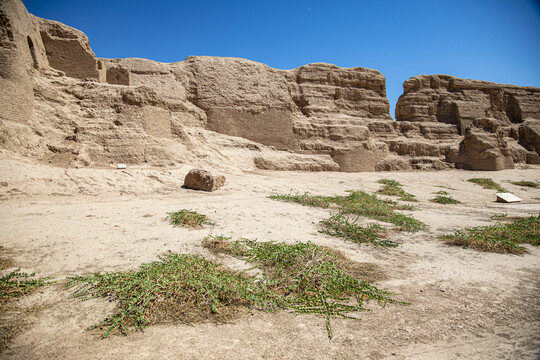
[492, 40]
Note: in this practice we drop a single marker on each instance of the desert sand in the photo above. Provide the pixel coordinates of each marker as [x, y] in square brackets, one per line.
[464, 303]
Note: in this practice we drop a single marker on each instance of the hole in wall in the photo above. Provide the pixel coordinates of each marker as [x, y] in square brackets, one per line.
[32, 52]
[513, 110]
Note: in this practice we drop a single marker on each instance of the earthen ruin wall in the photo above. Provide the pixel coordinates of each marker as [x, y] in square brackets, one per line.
[74, 106]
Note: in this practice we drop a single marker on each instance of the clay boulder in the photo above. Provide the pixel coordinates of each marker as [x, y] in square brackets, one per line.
[199, 179]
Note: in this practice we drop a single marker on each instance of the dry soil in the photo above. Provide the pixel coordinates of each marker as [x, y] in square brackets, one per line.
[464, 303]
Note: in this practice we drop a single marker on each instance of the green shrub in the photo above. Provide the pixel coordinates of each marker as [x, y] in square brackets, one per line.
[487, 183]
[178, 288]
[339, 225]
[362, 204]
[188, 288]
[14, 285]
[501, 238]
[393, 188]
[305, 199]
[530, 184]
[445, 200]
[188, 218]
[311, 279]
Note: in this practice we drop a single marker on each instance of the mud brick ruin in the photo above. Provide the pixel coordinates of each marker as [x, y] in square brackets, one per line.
[61, 104]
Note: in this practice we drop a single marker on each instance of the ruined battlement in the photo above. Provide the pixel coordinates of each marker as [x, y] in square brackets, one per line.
[62, 104]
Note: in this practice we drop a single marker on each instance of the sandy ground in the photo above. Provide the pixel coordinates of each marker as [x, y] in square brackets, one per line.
[464, 304]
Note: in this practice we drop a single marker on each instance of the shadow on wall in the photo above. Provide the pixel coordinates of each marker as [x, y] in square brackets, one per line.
[33, 52]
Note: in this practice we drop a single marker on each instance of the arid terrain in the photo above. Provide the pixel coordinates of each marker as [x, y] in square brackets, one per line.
[464, 303]
[68, 118]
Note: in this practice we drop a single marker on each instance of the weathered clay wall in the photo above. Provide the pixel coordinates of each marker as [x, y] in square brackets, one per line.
[499, 123]
[59, 103]
[68, 50]
[451, 100]
[117, 76]
[272, 127]
[318, 108]
[241, 98]
[21, 56]
[324, 88]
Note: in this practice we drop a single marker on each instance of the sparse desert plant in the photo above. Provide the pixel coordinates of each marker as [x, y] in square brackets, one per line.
[341, 226]
[390, 182]
[487, 183]
[310, 279]
[501, 238]
[363, 204]
[441, 193]
[13, 285]
[445, 187]
[504, 217]
[16, 284]
[188, 218]
[189, 288]
[393, 188]
[499, 216]
[177, 288]
[445, 200]
[217, 244]
[531, 184]
[305, 199]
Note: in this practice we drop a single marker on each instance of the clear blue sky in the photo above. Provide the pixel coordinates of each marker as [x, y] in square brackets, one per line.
[492, 40]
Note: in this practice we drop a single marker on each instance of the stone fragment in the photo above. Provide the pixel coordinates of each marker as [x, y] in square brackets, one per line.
[507, 198]
[199, 179]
